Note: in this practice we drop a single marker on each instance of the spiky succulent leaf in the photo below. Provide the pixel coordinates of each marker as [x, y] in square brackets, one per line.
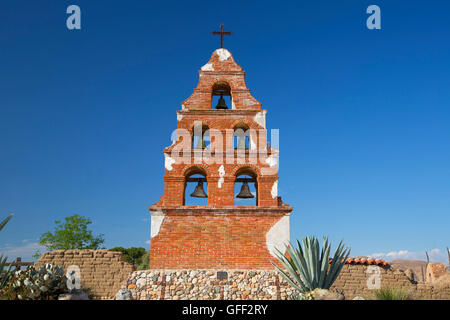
[4, 222]
[295, 281]
[309, 267]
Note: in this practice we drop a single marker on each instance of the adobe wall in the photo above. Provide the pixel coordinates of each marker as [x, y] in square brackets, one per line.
[356, 280]
[102, 271]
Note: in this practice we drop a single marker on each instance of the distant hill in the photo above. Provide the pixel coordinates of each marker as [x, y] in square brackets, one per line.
[415, 265]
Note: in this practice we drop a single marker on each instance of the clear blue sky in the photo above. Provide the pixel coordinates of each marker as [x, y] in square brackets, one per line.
[364, 115]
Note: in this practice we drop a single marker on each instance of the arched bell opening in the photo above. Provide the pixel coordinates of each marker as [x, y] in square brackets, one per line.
[246, 188]
[221, 96]
[195, 187]
[241, 137]
[200, 136]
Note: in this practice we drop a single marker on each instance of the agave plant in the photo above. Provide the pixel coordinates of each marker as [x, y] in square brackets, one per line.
[4, 222]
[5, 273]
[308, 267]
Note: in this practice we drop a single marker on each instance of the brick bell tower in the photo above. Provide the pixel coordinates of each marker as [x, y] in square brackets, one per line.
[220, 149]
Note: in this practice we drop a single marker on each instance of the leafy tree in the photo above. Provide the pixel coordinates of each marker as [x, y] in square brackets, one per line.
[72, 233]
[132, 255]
[37, 254]
[145, 261]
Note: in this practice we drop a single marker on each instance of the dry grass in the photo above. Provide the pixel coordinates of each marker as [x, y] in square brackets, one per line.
[392, 294]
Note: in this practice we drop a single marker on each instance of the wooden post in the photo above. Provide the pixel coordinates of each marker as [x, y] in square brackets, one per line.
[18, 263]
[423, 274]
[448, 254]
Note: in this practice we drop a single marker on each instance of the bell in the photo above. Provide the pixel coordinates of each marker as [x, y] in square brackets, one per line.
[245, 192]
[221, 104]
[199, 192]
[201, 144]
[241, 143]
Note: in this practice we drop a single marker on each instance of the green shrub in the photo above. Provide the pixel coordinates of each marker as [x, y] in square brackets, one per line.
[391, 294]
[132, 255]
[145, 261]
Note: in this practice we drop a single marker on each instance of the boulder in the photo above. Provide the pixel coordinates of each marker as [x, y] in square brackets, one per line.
[324, 294]
[410, 274]
[141, 282]
[124, 294]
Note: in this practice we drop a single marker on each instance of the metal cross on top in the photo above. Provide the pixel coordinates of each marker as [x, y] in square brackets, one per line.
[222, 33]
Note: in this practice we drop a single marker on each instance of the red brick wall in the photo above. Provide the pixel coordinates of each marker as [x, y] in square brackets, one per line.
[227, 71]
[218, 235]
[209, 241]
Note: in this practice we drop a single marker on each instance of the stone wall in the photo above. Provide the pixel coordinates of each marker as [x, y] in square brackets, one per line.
[206, 285]
[102, 271]
[354, 280]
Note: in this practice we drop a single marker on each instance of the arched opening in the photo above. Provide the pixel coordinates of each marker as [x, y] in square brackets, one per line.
[241, 137]
[200, 137]
[195, 187]
[246, 187]
[221, 96]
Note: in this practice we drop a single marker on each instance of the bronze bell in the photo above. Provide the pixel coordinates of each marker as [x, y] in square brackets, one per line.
[199, 192]
[241, 143]
[245, 192]
[221, 104]
[201, 144]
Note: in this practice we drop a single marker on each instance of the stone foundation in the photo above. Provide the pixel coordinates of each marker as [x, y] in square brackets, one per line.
[207, 285]
[353, 281]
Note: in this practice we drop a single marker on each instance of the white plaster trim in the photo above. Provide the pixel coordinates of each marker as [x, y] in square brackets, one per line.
[274, 191]
[157, 220]
[278, 236]
[260, 118]
[223, 54]
[272, 160]
[168, 162]
[179, 117]
[222, 175]
[208, 67]
[183, 107]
